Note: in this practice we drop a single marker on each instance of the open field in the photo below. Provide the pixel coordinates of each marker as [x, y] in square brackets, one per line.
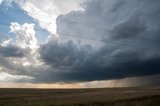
[81, 97]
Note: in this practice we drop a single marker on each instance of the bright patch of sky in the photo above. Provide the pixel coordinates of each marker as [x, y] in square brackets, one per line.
[4, 77]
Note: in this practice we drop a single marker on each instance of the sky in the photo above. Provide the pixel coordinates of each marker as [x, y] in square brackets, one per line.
[79, 43]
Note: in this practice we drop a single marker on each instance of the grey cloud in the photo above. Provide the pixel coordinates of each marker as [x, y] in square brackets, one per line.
[128, 30]
[12, 51]
[15, 69]
[63, 55]
[94, 66]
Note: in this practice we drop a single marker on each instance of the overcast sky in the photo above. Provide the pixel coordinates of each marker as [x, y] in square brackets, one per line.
[80, 41]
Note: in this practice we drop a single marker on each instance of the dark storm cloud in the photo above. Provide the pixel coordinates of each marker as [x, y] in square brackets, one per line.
[130, 28]
[129, 31]
[11, 51]
[79, 65]
[63, 55]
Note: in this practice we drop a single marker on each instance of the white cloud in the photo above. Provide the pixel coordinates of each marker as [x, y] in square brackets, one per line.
[25, 35]
[46, 11]
[4, 40]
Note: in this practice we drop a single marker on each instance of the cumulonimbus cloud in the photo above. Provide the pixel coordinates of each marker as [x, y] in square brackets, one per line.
[127, 44]
[129, 33]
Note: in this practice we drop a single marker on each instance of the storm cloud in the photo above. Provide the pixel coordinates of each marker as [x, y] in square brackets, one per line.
[104, 40]
[129, 32]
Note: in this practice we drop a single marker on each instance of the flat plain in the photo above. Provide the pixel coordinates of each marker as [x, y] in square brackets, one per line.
[146, 96]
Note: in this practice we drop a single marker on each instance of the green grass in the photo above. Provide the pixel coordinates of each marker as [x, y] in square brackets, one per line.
[81, 97]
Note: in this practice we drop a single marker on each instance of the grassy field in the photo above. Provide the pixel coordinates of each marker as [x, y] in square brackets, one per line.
[81, 97]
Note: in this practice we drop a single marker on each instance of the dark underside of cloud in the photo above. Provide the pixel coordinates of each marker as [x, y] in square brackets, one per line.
[69, 63]
[130, 34]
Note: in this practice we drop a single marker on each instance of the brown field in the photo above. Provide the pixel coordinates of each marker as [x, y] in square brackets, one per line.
[81, 97]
